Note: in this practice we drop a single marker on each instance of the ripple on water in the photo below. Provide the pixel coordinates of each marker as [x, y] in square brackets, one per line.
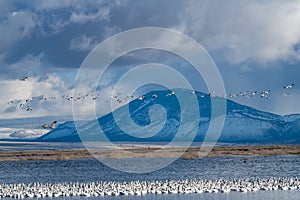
[206, 168]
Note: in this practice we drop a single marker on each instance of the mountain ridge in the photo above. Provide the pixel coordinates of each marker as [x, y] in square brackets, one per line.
[243, 124]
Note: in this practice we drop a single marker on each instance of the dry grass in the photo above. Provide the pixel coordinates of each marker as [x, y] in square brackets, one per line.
[191, 153]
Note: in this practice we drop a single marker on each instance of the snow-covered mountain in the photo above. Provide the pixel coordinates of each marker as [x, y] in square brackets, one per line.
[243, 124]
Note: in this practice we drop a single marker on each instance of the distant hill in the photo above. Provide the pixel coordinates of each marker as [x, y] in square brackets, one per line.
[243, 124]
[16, 129]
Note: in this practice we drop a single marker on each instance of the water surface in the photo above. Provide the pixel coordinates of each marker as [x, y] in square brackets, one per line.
[207, 168]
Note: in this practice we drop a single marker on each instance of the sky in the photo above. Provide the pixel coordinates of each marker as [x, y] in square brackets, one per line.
[254, 44]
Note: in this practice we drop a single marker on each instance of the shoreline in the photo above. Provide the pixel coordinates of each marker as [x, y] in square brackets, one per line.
[151, 152]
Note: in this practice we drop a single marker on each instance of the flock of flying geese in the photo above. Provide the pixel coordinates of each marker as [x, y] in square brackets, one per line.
[187, 186]
[25, 104]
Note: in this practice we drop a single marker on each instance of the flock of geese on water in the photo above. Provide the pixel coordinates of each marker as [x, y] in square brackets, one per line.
[112, 188]
[24, 104]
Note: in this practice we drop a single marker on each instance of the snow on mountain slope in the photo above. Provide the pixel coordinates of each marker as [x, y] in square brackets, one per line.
[26, 128]
[292, 132]
[19, 133]
[243, 124]
[64, 132]
[291, 118]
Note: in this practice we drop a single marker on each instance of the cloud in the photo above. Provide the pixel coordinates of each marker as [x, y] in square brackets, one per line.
[237, 32]
[246, 68]
[14, 27]
[74, 4]
[30, 65]
[18, 91]
[81, 17]
[56, 24]
[48, 96]
[83, 43]
[245, 39]
[262, 31]
[54, 4]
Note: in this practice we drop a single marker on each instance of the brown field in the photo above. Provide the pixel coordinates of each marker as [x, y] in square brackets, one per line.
[191, 153]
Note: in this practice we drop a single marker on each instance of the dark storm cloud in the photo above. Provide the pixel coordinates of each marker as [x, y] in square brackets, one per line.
[255, 44]
[52, 28]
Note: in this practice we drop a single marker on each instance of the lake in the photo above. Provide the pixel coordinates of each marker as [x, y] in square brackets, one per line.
[207, 168]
